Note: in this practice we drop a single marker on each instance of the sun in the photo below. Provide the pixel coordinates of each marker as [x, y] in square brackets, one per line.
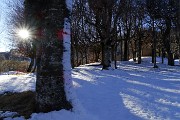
[24, 33]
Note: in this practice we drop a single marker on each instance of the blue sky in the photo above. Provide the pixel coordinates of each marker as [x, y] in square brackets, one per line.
[4, 43]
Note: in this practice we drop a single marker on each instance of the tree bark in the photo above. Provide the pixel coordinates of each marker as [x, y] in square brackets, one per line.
[96, 56]
[167, 42]
[125, 58]
[154, 45]
[50, 91]
[106, 56]
[139, 49]
[77, 56]
[86, 56]
[170, 59]
[163, 55]
[31, 65]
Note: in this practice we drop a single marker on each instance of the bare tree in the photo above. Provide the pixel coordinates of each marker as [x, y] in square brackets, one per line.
[15, 22]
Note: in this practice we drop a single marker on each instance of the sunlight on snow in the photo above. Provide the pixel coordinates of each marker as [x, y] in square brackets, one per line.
[167, 102]
[155, 87]
[136, 107]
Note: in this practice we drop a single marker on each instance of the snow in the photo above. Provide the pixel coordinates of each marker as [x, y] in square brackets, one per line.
[131, 92]
[7, 114]
[70, 94]
[17, 83]
[69, 4]
[67, 61]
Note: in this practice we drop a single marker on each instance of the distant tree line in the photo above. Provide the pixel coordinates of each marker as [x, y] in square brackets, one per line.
[100, 27]
[105, 29]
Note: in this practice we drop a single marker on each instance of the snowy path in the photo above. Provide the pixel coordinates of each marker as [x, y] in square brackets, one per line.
[133, 92]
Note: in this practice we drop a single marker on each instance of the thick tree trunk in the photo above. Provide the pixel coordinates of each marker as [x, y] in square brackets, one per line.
[50, 94]
[50, 88]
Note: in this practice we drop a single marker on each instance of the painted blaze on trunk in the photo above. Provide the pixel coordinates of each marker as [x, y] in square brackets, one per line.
[50, 93]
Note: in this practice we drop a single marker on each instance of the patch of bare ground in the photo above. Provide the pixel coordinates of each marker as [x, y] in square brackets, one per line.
[22, 103]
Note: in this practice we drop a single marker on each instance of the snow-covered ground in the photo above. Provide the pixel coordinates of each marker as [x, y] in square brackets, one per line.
[17, 83]
[132, 92]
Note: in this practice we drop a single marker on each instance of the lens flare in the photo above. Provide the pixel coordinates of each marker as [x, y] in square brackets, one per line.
[24, 33]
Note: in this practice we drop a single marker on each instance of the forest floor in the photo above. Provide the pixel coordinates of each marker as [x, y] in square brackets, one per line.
[131, 92]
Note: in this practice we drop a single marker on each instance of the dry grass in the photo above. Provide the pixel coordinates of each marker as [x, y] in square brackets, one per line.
[22, 103]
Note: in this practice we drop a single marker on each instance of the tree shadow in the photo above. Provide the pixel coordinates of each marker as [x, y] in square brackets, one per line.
[141, 92]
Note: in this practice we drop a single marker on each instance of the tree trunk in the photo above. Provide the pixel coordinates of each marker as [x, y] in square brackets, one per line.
[163, 56]
[159, 50]
[115, 56]
[50, 94]
[167, 42]
[170, 59]
[50, 91]
[121, 49]
[96, 56]
[125, 58]
[178, 26]
[112, 53]
[154, 45]
[152, 60]
[106, 56]
[135, 51]
[82, 58]
[31, 65]
[35, 66]
[139, 50]
[77, 57]
[86, 56]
